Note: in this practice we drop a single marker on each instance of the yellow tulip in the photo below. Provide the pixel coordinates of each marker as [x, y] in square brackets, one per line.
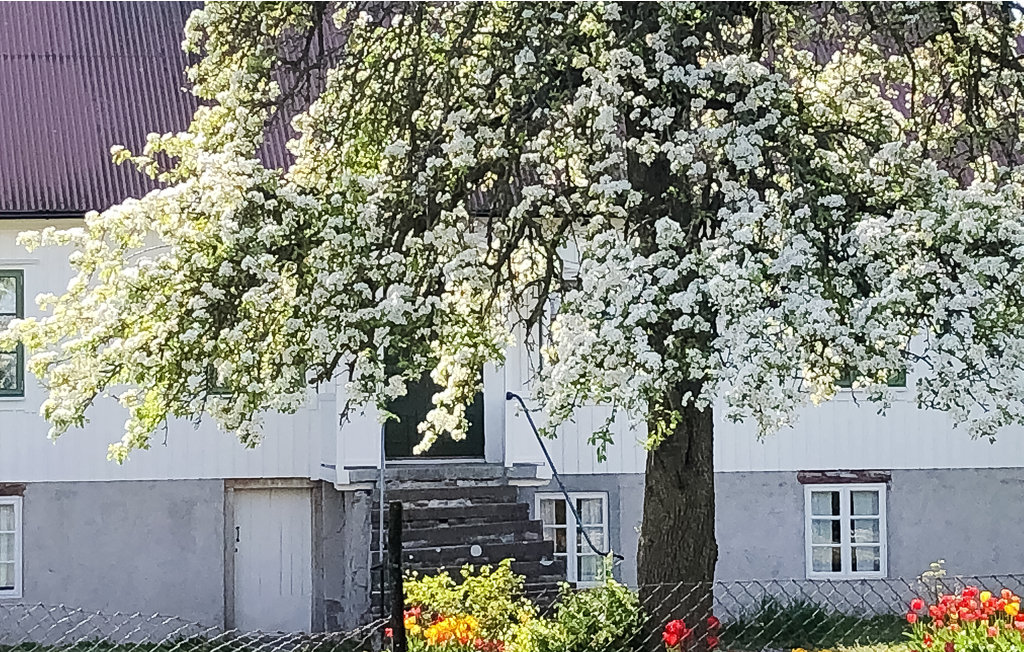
[1012, 608]
[985, 596]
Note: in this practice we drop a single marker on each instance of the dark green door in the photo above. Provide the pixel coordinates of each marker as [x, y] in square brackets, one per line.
[401, 436]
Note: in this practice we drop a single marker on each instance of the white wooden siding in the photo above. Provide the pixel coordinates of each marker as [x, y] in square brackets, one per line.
[291, 448]
[838, 435]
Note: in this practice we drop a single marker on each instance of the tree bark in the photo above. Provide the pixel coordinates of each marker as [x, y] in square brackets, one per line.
[678, 551]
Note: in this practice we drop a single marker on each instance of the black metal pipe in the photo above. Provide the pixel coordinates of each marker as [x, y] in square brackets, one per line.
[400, 644]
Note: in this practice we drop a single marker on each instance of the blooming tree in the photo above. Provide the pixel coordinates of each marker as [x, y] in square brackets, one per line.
[734, 205]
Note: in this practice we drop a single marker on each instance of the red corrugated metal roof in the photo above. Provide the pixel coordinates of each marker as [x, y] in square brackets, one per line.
[75, 79]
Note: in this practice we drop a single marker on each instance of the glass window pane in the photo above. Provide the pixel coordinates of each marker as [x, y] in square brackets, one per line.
[825, 503]
[827, 559]
[591, 510]
[560, 541]
[6, 547]
[6, 518]
[864, 503]
[8, 370]
[7, 575]
[596, 537]
[547, 511]
[560, 511]
[865, 530]
[589, 568]
[825, 531]
[866, 558]
[8, 295]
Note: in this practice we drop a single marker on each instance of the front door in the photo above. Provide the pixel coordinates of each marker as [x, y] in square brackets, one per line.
[400, 437]
[273, 560]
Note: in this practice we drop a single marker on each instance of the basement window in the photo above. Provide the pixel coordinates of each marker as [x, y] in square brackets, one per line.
[583, 565]
[845, 531]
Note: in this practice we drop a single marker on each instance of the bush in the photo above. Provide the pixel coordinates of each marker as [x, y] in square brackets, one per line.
[801, 624]
[487, 612]
[483, 611]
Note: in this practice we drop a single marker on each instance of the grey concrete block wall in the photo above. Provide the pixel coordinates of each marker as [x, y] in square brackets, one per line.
[346, 558]
[968, 517]
[971, 518]
[127, 546]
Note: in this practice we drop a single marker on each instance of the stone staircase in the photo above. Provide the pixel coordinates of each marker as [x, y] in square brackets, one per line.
[457, 514]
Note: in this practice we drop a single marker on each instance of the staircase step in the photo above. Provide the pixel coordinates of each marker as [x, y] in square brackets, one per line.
[420, 497]
[486, 533]
[539, 574]
[416, 517]
[459, 555]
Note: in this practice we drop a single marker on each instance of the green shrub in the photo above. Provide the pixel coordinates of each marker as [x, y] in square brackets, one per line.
[492, 596]
[802, 624]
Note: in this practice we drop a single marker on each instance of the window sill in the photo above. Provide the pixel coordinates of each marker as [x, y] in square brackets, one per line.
[845, 577]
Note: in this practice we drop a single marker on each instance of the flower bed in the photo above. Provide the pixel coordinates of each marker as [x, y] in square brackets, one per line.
[970, 621]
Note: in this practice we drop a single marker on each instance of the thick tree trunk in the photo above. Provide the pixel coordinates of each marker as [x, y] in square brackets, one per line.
[678, 551]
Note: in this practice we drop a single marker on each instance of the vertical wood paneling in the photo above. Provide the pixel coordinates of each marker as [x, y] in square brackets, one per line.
[203, 452]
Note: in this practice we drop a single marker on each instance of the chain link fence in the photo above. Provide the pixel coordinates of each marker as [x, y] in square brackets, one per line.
[42, 628]
[743, 616]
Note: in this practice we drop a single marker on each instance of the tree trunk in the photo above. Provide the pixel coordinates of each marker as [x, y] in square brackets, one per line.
[678, 551]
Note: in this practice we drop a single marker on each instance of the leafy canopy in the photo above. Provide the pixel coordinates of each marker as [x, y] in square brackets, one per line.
[727, 201]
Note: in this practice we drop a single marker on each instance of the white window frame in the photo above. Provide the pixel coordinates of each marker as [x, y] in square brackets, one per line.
[18, 535]
[571, 565]
[845, 543]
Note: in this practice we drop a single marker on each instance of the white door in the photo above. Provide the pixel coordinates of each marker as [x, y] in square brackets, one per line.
[273, 560]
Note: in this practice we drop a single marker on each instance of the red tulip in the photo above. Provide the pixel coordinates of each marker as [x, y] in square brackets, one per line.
[911, 617]
[675, 632]
[917, 604]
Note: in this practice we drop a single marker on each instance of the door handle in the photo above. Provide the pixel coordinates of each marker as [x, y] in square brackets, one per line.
[236, 534]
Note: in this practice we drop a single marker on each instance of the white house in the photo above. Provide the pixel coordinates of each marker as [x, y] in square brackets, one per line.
[282, 537]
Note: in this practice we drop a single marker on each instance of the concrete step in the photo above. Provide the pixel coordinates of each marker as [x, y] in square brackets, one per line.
[465, 515]
[436, 556]
[423, 497]
[487, 533]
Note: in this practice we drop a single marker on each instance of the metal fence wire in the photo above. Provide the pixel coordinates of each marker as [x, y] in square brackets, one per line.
[42, 628]
[743, 616]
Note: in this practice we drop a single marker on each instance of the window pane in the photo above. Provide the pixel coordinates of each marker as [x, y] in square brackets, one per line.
[591, 511]
[6, 547]
[825, 503]
[556, 534]
[547, 511]
[6, 518]
[864, 503]
[8, 295]
[596, 537]
[589, 568]
[865, 530]
[8, 370]
[827, 559]
[825, 531]
[560, 541]
[7, 575]
[560, 511]
[866, 558]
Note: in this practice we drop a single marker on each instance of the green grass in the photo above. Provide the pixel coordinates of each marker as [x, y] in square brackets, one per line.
[799, 624]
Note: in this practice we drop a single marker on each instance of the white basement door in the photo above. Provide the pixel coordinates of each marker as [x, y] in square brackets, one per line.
[273, 560]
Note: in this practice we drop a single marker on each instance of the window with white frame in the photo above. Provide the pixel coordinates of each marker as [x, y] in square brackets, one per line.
[845, 531]
[583, 565]
[10, 546]
[12, 306]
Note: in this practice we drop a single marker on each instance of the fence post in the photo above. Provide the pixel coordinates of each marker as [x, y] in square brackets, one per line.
[395, 571]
